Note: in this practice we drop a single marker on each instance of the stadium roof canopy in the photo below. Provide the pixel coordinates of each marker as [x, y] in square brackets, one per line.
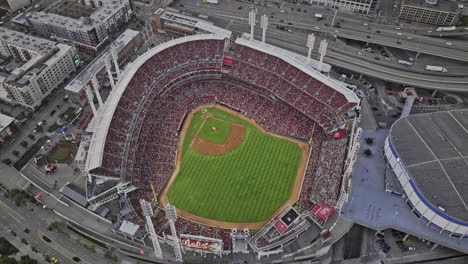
[434, 149]
[129, 228]
[101, 122]
[301, 62]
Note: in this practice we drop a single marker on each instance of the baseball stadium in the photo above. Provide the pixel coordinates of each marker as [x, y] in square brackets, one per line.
[245, 140]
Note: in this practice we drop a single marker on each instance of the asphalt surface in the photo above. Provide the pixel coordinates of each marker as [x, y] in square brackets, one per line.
[36, 219]
[228, 15]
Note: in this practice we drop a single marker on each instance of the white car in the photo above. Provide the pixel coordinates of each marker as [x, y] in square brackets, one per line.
[448, 43]
[399, 33]
[409, 37]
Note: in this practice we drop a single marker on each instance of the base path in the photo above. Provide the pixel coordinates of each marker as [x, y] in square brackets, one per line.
[238, 132]
[234, 139]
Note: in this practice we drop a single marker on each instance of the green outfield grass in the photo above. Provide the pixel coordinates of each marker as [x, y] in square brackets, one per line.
[247, 184]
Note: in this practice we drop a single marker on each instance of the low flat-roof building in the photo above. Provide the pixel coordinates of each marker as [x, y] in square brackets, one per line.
[13, 5]
[357, 6]
[179, 25]
[5, 123]
[440, 13]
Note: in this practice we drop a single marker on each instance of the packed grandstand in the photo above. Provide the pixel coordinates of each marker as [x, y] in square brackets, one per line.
[135, 135]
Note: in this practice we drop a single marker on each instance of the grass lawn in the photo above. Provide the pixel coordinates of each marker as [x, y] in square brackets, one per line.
[217, 136]
[62, 152]
[247, 184]
[54, 128]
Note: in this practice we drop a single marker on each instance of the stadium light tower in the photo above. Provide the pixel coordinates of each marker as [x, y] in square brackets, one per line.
[90, 96]
[322, 51]
[310, 45]
[148, 212]
[114, 58]
[108, 67]
[171, 214]
[95, 83]
[252, 17]
[264, 25]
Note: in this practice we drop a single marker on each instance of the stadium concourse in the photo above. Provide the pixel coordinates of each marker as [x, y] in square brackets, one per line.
[135, 135]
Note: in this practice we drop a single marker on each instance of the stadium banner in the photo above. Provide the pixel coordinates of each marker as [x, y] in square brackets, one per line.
[227, 60]
[323, 211]
[201, 243]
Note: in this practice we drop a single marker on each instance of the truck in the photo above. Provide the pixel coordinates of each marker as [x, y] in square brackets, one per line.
[211, 1]
[318, 16]
[405, 62]
[203, 17]
[445, 29]
[436, 68]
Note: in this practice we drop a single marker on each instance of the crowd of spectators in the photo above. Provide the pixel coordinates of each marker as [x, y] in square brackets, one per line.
[142, 139]
[305, 93]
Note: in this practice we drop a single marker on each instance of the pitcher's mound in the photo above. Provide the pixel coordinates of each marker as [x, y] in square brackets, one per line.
[233, 140]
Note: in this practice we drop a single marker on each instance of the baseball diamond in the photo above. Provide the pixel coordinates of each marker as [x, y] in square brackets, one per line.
[231, 171]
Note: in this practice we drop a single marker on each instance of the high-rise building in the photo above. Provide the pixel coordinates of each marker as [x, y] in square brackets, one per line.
[86, 24]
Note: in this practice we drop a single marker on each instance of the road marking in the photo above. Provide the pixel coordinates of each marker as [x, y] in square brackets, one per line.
[8, 207]
[37, 176]
[230, 23]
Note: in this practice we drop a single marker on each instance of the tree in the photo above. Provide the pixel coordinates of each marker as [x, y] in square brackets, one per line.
[7, 249]
[7, 260]
[15, 152]
[7, 161]
[27, 260]
[24, 144]
[31, 137]
[369, 141]
[368, 153]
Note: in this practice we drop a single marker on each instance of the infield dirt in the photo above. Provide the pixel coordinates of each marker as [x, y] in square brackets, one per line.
[296, 190]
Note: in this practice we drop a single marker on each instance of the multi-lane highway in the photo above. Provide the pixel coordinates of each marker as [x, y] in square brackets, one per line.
[47, 242]
[234, 16]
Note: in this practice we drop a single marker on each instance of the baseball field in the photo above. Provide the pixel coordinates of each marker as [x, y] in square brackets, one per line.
[231, 171]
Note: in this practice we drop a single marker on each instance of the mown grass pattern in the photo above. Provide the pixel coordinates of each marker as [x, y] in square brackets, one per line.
[219, 135]
[245, 185]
